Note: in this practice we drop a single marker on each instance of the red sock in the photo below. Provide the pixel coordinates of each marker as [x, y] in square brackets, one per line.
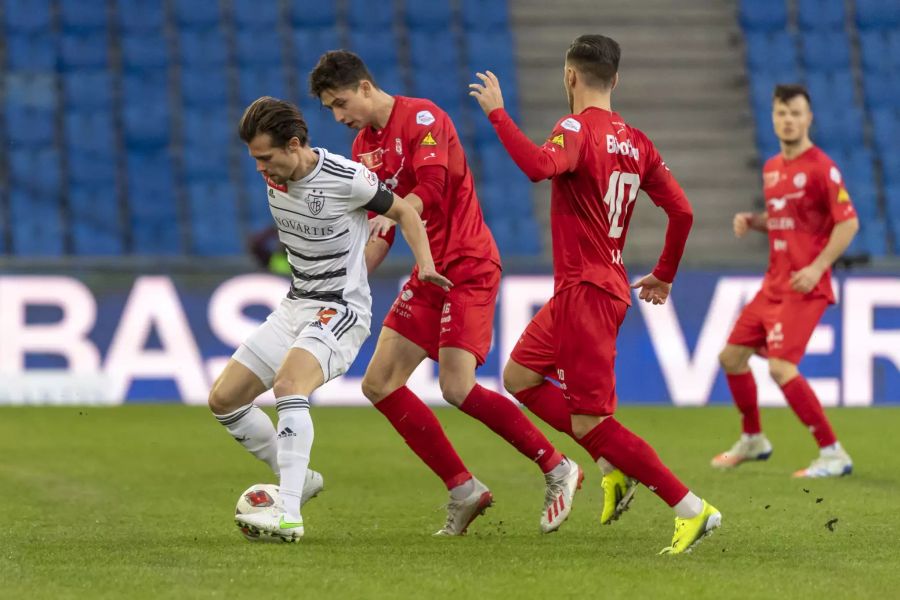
[743, 390]
[424, 435]
[802, 399]
[634, 457]
[509, 422]
[548, 403]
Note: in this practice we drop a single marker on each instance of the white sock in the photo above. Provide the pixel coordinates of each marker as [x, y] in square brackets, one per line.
[606, 467]
[294, 441]
[832, 449]
[689, 507]
[253, 428]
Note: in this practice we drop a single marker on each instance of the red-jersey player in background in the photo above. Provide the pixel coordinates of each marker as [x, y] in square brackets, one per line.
[810, 221]
[412, 145]
[597, 163]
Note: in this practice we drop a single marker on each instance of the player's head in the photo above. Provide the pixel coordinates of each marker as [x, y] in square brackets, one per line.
[343, 84]
[275, 132]
[592, 61]
[791, 113]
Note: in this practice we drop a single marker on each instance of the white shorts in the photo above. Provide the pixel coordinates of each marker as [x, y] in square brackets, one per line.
[333, 334]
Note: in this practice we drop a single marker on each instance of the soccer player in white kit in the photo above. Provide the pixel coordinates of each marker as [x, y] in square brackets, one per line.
[319, 202]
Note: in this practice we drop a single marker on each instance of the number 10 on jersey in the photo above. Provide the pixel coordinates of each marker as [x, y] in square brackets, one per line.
[615, 196]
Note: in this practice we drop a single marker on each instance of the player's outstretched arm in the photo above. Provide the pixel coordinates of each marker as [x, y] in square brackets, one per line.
[535, 161]
[808, 277]
[414, 231]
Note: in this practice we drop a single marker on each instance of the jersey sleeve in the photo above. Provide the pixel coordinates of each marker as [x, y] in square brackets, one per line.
[836, 196]
[565, 144]
[367, 191]
[430, 139]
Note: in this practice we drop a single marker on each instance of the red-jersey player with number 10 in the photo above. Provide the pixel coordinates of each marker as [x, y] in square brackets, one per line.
[597, 164]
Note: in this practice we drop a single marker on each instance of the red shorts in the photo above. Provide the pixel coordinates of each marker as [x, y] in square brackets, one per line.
[463, 318]
[778, 329]
[573, 340]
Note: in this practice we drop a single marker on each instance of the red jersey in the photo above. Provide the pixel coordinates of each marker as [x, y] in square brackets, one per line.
[805, 197]
[598, 163]
[419, 134]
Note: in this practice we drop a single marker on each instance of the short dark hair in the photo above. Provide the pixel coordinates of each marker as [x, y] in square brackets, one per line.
[278, 118]
[784, 92]
[338, 70]
[596, 57]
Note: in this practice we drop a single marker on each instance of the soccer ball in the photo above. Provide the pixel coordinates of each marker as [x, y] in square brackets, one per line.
[254, 499]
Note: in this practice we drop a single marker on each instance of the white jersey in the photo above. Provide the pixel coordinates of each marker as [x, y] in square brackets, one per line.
[323, 223]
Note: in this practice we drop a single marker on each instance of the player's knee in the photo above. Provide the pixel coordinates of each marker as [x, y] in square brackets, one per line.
[455, 389]
[221, 400]
[731, 361]
[284, 385]
[583, 424]
[781, 371]
[374, 388]
[516, 379]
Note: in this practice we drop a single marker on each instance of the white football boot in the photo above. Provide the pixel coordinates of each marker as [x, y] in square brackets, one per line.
[830, 463]
[312, 485]
[271, 521]
[562, 483]
[460, 513]
[749, 447]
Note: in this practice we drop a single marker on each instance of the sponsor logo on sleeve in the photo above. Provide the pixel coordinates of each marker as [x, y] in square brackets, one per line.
[371, 179]
[428, 140]
[424, 117]
[843, 195]
[571, 124]
[559, 140]
[835, 175]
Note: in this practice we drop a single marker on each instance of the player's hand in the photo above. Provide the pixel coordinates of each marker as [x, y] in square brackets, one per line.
[379, 225]
[805, 279]
[487, 92]
[742, 222]
[652, 289]
[430, 275]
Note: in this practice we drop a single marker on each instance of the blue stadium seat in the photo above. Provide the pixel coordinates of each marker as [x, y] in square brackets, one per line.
[34, 169]
[254, 49]
[376, 48]
[877, 14]
[261, 81]
[31, 89]
[214, 223]
[27, 16]
[196, 14]
[30, 52]
[83, 15]
[146, 126]
[892, 201]
[821, 15]
[874, 52]
[527, 240]
[310, 44]
[30, 126]
[434, 50]
[842, 127]
[495, 164]
[36, 224]
[886, 130]
[444, 91]
[428, 15]
[825, 51]
[881, 89]
[91, 131]
[831, 89]
[865, 200]
[874, 237]
[204, 125]
[362, 14]
[153, 214]
[763, 15]
[84, 50]
[87, 90]
[204, 87]
[481, 16]
[771, 50]
[494, 52]
[94, 216]
[389, 77]
[92, 168]
[145, 87]
[324, 131]
[253, 14]
[141, 50]
[890, 168]
[313, 13]
[203, 47]
[140, 16]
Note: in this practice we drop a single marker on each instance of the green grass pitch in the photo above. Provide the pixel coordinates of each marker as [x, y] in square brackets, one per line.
[137, 502]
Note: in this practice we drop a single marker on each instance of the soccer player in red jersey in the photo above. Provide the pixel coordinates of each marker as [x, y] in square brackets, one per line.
[597, 164]
[412, 145]
[810, 221]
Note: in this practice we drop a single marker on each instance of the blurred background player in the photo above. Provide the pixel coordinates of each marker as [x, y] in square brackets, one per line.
[810, 221]
[318, 201]
[412, 145]
[597, 164]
